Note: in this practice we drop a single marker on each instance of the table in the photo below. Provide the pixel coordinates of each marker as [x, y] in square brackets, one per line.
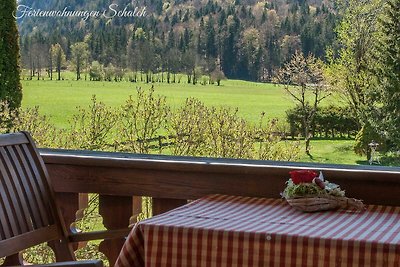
[221, 230]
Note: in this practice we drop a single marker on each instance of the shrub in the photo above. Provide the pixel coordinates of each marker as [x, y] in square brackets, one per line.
[91, 128]
[186, 128]
[140, 120]
[331, 121]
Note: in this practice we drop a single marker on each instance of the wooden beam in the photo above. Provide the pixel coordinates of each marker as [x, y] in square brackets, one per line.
[127, 174]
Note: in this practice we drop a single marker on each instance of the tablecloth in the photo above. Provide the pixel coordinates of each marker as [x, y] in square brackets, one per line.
[222, 230]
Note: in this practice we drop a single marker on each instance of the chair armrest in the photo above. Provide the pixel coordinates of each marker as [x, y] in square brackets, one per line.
[86, 263]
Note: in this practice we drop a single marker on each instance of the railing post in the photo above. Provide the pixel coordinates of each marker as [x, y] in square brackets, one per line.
[72, 206]
[116, 212]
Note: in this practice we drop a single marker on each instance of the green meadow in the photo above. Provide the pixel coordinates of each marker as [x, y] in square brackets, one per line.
[59, 100]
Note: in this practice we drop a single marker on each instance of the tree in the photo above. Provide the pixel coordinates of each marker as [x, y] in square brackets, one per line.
[250, 51]
[388, 54]
[352, 72]
[211, 48]
[57, 59]
[172, 62]
[10, 85]
[290, 44]
[109, 72]
[96, 72]
[218, 75]
[303, 80]
[189, 64]
[80, 55]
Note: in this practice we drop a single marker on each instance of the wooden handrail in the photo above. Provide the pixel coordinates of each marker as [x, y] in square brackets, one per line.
[171, 177]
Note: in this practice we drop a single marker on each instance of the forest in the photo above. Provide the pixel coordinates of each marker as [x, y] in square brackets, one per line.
[242, 39]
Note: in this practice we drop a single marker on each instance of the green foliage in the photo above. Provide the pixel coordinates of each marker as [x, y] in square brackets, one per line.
[10, 85]
[96, 72]
[187, 126]
[40, 254]
[273, 144]
[57, 60]
[217, 76]
[366, 135]
[388, 55]
[79, 57]
[40, 127]
[141, 120]
[351, 72]
[367, 71]
[293, 190]
[91, 128]
[330, 121]
[228, 135]
[6, 117]
[299, 190]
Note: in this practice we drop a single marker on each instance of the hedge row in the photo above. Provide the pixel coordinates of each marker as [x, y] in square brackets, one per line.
[329, 122]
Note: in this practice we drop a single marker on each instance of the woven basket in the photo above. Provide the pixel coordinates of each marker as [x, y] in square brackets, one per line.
[326, 202]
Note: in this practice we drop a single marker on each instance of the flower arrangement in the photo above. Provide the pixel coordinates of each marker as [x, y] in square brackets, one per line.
[307, 190]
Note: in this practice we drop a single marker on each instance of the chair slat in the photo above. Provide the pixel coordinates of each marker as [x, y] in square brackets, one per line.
[5, 227]
[36, 193]
[18, 195]
[2, 234]
[20, 183]
[42, 195]
[9, 200]
[35, 201]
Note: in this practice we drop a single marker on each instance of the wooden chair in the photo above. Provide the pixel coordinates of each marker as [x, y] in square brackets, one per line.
[28, 212]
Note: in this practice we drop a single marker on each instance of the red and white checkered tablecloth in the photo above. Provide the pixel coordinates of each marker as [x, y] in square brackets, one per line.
[241, 231]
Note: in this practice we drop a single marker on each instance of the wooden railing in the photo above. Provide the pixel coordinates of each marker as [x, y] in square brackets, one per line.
[119, 179]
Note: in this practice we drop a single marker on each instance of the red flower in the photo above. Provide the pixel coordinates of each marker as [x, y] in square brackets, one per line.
[303, 176]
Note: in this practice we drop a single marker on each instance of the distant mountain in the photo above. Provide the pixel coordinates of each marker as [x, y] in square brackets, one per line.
[247, 39]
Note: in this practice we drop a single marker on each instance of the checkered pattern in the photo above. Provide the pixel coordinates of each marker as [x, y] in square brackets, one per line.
[241, 231]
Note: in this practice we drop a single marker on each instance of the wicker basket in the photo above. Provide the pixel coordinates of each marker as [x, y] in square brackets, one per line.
[325, 202]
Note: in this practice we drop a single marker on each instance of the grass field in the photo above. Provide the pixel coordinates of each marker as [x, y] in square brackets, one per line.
[336, 151]
[59, 99]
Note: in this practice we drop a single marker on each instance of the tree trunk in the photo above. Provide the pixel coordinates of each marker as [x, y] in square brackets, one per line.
[51, 71]
[307, 136]
[78, 69]
[59, 72]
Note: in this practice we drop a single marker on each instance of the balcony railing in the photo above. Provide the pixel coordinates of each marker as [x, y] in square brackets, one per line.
[120, 179]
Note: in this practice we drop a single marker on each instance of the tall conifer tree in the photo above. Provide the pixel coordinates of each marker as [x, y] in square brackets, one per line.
[10, 85]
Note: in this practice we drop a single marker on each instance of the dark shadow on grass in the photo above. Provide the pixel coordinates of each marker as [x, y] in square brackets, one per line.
[333, 139]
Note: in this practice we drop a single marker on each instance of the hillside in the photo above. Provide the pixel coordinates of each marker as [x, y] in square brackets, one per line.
[246, 39]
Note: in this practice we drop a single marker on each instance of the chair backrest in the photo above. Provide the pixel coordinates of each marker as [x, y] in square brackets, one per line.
[28, 212]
